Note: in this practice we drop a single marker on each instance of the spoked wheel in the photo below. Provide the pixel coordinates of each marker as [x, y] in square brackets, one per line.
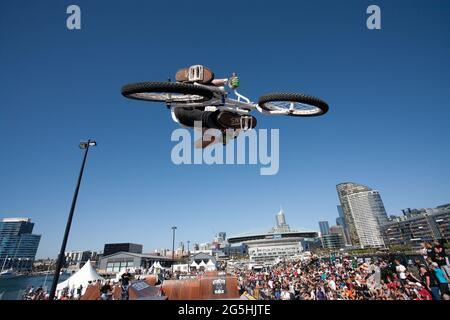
[293, 104]
[167, 92]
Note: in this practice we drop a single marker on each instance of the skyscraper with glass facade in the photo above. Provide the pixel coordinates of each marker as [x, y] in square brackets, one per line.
[18, 246]
[364, 213]
[324, 227]
[340, 221]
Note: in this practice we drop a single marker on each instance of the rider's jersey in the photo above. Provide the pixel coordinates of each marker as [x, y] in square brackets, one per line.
[126, 279]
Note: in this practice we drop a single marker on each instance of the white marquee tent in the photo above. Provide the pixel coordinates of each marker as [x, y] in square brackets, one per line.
[81, 277]
[210, 266]
[156, 267]
[194, 264]
[202, 264]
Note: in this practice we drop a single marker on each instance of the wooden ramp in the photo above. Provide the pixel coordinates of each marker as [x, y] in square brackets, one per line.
[151, 279]
[142, 290]
[139, 290]
[92, 293]
[207, 288]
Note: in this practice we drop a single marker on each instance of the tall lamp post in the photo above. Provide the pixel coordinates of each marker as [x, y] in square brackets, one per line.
[173, 243]
[83, 145]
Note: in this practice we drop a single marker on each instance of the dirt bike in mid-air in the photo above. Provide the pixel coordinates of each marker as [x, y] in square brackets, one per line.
[195, 87]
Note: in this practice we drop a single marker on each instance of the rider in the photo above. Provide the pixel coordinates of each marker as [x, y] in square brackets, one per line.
[221, 120]
[126, 278]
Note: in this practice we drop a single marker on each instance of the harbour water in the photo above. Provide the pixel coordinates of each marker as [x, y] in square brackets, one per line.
[14, 289]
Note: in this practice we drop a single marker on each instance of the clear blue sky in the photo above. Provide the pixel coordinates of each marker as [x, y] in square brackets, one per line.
[388, 125]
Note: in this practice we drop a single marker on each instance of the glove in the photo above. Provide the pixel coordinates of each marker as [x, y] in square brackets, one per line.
[234, 82]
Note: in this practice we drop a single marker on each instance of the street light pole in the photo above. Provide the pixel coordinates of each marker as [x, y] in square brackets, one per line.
[83, 145]
[173, 243]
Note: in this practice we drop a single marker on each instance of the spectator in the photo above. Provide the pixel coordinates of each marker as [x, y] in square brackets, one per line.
[430, 282]
[441, 279]
[72, 292]
[414, 268]
[423, 293]
[79, 291]
[440, 257]
[400, 269]
[105, 291]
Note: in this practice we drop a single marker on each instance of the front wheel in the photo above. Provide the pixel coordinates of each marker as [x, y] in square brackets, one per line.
[293, 104]
[167, 92]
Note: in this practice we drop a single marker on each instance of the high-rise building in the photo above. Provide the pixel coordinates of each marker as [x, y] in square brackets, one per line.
[324, 227]
[417, 226]
[222, 236]
[18, 246]
[364, 214]
[79, 257]
[332, 241]
[219, 239]
[340, 211]
[281, 226]
[340, 221]
[337, 230]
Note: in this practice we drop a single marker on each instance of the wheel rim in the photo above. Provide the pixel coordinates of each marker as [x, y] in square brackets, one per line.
[167, 96]
[293, 107]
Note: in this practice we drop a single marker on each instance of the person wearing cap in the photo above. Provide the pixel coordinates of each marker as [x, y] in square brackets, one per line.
[414, 268]
[430, 282]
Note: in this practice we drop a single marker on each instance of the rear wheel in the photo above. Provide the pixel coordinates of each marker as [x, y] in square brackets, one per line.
[167, 92]
[293, 104]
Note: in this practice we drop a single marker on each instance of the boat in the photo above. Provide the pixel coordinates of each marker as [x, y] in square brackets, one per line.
[8, 274]
[63, 271]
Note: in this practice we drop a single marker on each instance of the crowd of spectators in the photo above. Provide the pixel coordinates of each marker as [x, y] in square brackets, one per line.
[423, 278]
[33, 293]
[390, 277]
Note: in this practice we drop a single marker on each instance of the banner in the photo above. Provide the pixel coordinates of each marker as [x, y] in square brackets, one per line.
[219, 286]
